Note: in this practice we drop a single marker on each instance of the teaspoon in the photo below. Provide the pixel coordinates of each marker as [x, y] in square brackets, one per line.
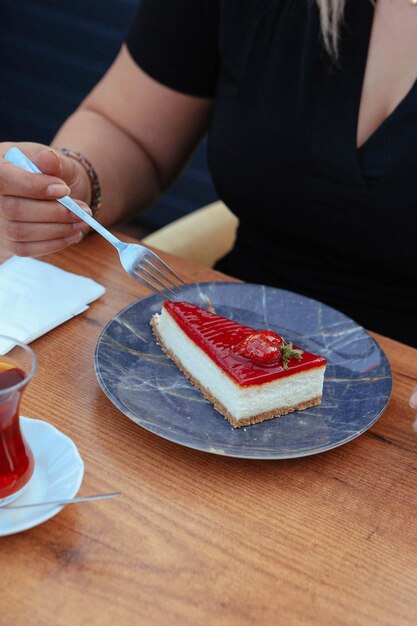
[103, 496]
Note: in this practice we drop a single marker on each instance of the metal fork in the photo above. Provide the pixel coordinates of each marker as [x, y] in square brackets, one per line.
[138, 261]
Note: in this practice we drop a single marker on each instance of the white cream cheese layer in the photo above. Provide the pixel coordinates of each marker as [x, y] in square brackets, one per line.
[241, 402]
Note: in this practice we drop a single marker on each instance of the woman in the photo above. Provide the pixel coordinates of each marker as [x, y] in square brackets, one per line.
[311, 113]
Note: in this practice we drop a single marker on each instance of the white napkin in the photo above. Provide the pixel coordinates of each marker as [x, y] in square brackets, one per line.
[35, 297]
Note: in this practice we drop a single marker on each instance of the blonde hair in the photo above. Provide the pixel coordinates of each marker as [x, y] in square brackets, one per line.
[331, 17]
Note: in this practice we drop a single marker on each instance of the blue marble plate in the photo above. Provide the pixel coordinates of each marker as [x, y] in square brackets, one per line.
[147, 387]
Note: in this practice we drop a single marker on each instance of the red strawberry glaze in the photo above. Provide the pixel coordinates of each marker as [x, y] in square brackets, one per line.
[218, 337]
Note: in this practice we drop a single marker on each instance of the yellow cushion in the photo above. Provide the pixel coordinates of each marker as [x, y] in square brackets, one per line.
[203, 236]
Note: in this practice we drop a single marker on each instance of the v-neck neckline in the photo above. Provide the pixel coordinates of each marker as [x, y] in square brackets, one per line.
[338, 105]
[387, 121]
[367, 25]
[354, 58]
[334, 141]
[366, 15]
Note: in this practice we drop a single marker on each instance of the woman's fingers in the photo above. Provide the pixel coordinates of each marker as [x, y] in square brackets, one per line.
[57, 170]
[32, 223]
[16, 182]
[40, 248]
[20, 232]
[50, 229]
[48, 161]
[24, 210]
[54, 163]
[61, 175]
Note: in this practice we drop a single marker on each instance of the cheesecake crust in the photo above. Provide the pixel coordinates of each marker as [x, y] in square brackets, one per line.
[247, 421]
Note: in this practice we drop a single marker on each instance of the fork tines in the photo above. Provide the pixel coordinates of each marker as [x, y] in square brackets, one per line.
[149, 274]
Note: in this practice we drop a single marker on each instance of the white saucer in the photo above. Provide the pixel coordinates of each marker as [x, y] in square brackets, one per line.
[58, 474]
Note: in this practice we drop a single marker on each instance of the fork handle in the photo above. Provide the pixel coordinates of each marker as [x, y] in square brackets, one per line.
[16, 157]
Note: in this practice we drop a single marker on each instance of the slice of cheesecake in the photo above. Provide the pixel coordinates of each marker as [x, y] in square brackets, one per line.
[248, 375]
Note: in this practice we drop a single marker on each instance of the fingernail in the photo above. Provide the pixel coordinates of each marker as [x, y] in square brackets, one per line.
[413, 399]
[80, 226]
[74, 238]
[58, 191]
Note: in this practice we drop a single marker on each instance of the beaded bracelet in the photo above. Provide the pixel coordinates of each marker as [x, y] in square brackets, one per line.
[96, 199]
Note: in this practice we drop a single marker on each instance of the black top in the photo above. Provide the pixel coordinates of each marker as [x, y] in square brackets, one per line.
[317, 215]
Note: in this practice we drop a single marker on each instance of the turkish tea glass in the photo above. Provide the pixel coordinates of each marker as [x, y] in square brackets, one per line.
[17, 366]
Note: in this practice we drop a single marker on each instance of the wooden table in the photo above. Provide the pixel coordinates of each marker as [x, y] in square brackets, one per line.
[200, 539]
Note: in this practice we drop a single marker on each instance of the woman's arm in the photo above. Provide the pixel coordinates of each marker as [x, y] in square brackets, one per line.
[137, 133]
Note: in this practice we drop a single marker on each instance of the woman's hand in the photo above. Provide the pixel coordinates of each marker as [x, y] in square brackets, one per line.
[32, 223]
[138, 133]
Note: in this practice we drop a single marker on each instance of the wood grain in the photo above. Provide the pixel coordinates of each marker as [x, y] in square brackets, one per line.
[327, 540]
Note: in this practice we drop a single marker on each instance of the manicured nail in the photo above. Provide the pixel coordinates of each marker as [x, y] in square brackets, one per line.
[413, 398]
[58, 191]
[74, 238]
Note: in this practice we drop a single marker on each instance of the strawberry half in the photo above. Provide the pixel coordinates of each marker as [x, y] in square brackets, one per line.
[262, 347]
